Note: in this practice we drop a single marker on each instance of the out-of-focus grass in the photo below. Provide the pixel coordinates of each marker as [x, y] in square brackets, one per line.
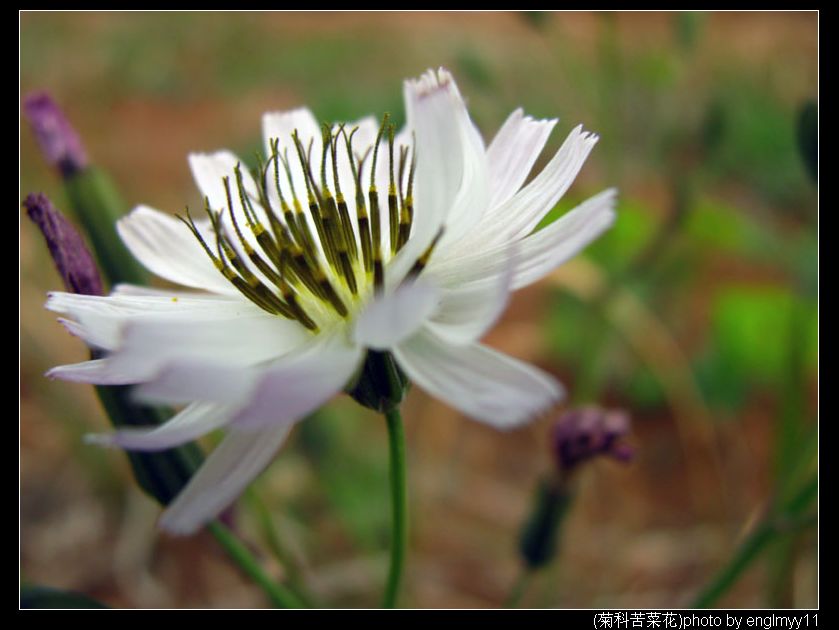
[716, 236]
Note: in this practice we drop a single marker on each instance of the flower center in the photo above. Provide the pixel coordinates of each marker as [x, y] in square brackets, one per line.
[310, 264]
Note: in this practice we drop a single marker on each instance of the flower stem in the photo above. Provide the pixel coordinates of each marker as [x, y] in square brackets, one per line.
[280, 596]
[792, 519]
[399, 525]
[518, 589]
[279, 550]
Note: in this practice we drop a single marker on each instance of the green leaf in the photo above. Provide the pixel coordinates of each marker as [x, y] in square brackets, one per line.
[714, 224]
[633, 228]
[758, 142]
[751, 327]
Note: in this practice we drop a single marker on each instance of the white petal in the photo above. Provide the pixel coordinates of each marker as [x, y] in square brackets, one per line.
[238, 339]
[145, 303]
[451, 188]
[513, 152]
[209, 171]
[191, 423]
[281, 125]
[187, 380]
[297, 384]
[99, 320]
[482, 383]
[539, 253]
[368, 129]
[168, 249]
[394, 316]
[517, 217]
[96, 372]
[144, 291]
[315, 371]
[466, 313]
[227, 472]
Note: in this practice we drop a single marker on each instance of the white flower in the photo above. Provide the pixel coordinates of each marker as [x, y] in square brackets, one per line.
[298, 281]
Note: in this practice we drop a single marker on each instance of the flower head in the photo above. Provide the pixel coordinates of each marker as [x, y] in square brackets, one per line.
[588, 432]
[345, 239]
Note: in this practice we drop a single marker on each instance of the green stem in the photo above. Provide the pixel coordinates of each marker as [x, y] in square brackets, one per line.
[396, 440]
[283, 555]
[743, 557]
[768, 531]
[280, 596]
[519, 587]
[98, 206]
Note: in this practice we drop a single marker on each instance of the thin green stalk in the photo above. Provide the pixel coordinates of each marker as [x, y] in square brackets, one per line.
[98, 206]
[791, 432]
[399, 525]
[280, 596]
[743, 557]
[519, 587]
[774, 526]
[285, 557]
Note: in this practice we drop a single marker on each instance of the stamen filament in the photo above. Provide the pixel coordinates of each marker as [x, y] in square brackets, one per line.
[285, 269]
[343, 212]
[406, 216]
[422, 261]
[332, 221]
[360, 207]
[392, 203]
[375, 225]
[314, 208]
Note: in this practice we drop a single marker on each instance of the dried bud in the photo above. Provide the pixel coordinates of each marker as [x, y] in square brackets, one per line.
[587, 432]
[59, 142]
[69, 252]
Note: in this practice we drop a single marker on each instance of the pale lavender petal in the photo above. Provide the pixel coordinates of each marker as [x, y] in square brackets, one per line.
[237, 461]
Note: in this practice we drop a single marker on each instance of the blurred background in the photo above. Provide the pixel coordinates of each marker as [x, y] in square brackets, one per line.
[696, 313]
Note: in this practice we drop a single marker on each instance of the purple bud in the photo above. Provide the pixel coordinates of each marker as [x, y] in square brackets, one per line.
[69, 252]
[59, 142]
[584, 433]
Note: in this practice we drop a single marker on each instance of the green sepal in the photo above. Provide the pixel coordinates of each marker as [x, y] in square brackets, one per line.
[381, 384]
[97, 205]
[162, 474]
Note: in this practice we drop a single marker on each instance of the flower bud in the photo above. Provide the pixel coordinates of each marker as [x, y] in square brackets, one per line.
[71, 256]
[540, 535]
[588, 432]
[381, 385]
[163, 474]
[59, 142]
[578, 435]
